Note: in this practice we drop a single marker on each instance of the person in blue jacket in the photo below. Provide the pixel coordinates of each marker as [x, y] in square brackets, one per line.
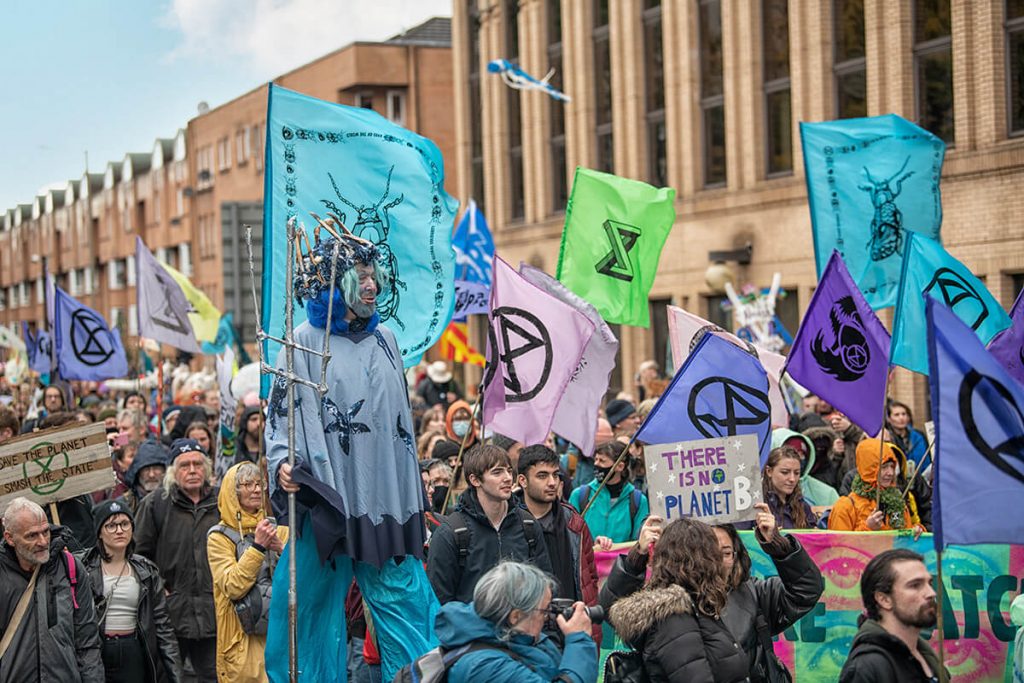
[901, 427]
[504, 624]
[619, 508]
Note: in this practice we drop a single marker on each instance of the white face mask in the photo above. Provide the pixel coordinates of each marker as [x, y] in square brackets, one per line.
[460, 428]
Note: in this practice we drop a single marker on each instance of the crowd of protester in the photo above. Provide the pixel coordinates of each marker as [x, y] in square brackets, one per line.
[166, 576]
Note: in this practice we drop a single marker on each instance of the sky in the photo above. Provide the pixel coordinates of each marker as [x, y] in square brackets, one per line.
[104, 78]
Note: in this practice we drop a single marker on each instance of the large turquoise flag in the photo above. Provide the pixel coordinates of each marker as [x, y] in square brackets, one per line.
[385, 183]
[930, 269]
[870, 183]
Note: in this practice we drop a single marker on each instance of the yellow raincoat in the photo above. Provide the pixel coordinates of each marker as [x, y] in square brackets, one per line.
[239, 654]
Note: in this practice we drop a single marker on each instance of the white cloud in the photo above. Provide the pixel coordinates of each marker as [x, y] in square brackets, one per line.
[275, 36]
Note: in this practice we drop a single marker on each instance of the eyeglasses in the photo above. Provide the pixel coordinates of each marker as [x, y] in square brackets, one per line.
[114, 527]
[251, 486]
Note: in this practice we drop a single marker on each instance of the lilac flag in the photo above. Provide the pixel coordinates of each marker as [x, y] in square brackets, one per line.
[1008, 345]
[534, 346]
[685, 330]
[841, 351]
[576, 416]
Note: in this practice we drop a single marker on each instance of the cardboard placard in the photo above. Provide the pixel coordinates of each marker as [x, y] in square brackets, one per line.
[714, 480]
[56, 464]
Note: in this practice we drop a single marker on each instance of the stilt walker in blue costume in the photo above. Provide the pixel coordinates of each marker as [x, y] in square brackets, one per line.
[359, 496]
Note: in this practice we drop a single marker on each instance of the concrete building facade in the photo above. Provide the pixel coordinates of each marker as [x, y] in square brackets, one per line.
[706, 96]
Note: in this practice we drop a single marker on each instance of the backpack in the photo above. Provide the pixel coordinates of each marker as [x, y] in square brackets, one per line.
[253, 608]
[634, 505]
[625, 666]
[433, 666]
[460, 529]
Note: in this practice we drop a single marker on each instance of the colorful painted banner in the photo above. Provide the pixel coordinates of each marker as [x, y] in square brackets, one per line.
[980, 582]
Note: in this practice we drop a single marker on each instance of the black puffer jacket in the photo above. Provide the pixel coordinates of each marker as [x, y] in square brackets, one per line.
[782, 599]
[57, 641]
[171, 531]
[876, 656]
[679, 645]
[154, 627]
[486, 548]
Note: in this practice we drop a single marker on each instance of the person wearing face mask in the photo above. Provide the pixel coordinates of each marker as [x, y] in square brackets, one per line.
[858, 511]
[619, 509]
[458, 423]
[504, 627]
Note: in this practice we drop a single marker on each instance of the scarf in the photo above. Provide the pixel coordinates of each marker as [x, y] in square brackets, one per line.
[890, 502]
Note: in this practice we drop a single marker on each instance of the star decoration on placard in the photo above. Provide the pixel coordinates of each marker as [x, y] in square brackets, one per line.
[661, 496]
[741, 467]
[717, 488]
[671, 479]
[755, 494]
[653, 467]
[736, 445]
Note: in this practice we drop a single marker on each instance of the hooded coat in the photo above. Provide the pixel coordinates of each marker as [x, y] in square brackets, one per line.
[187, 416]
[851, 436]
[239, 654]
[877, 655]
[57, 641]
[150, 453]
[850, 513]
[826, 461]
[678, 643]
[815, 492]
[242, 451]
[458, 624]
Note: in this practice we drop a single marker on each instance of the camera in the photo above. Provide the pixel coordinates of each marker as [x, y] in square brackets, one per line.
[564, 607]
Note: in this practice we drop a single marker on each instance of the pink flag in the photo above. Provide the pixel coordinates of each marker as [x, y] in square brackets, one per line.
[535, 344]
[686, 329]
[576, 416]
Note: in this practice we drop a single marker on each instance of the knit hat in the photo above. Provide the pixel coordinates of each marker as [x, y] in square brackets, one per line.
[107, 509]
[617, 411]
[181, 446]
[444, 449]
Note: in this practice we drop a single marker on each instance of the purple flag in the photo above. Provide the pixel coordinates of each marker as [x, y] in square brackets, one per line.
[576, 416]
[534, 346]
[841, 351]
[1008, 345]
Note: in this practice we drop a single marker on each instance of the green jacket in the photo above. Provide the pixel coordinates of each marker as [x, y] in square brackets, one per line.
[816, 492]
[606, 518]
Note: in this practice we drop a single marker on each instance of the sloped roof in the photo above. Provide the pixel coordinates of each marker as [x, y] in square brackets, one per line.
[436, 31]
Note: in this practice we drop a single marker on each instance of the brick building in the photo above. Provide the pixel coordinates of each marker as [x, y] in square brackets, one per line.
[706, 96]
[190, 195]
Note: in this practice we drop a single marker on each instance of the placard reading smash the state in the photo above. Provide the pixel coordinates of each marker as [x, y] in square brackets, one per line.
[714, 480]
[55, 464]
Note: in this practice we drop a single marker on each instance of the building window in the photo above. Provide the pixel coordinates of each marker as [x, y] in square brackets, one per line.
[778, 115]
[516, 201]
[712, 92]
[849, 66]
[130, 264]
[133, 320]
[933, 67]
[396, 107]
[654, 75]
[185, 259]
[476, 147]
[116, 274]
[716, 314]
[559, 181]
[604, 159]
[257, 145]
[88, 280]
[224, 154]
[363, 100]
[1015, 64]
[242, 148]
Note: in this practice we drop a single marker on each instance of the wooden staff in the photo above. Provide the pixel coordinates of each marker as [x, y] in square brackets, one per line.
[939, 624]
[462, 448]
[881, 435]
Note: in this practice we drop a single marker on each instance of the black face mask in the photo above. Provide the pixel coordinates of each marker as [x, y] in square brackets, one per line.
[437, 500]
[601, 473]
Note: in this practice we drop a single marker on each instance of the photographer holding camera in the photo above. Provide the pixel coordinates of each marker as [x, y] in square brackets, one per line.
[500, 634]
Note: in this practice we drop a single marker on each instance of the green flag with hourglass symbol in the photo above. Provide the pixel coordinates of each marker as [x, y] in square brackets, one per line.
[614, 231]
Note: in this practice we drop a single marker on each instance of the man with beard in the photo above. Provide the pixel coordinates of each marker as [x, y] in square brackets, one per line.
[899, 602]
[250, 432]
[146, 472]
[46, 612]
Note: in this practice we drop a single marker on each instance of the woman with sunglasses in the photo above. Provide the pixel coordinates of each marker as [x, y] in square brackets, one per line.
[138, 640]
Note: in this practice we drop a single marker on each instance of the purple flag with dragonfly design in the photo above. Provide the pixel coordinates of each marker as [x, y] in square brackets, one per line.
[841, 351]
[1008, 345]
[535, 343]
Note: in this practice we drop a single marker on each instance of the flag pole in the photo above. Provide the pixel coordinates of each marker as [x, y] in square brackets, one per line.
[462, 446]
[881, 434]
[939, 623]
[918, 468]
[622, 455]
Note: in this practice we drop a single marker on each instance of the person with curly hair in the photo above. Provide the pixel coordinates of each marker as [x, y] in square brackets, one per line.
[675, 621]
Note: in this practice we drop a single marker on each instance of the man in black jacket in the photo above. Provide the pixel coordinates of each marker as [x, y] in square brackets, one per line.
[171, 531]
[899, 601]
[484, 529]
[61, 641]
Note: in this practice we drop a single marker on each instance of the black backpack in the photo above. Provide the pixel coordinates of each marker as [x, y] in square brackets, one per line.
[625, 666]
[253, 608]
[457, 521]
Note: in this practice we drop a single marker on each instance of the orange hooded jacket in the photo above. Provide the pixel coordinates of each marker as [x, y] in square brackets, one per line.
[850, 513]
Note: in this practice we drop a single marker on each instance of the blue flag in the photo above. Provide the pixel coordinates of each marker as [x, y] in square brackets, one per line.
[87, 349]
[870, 183]
[721, 390]
[1008, 345]
[474, 251]
[226, 337]
[979, 436]
[385, 183]
[930, 269]
[841, 352]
